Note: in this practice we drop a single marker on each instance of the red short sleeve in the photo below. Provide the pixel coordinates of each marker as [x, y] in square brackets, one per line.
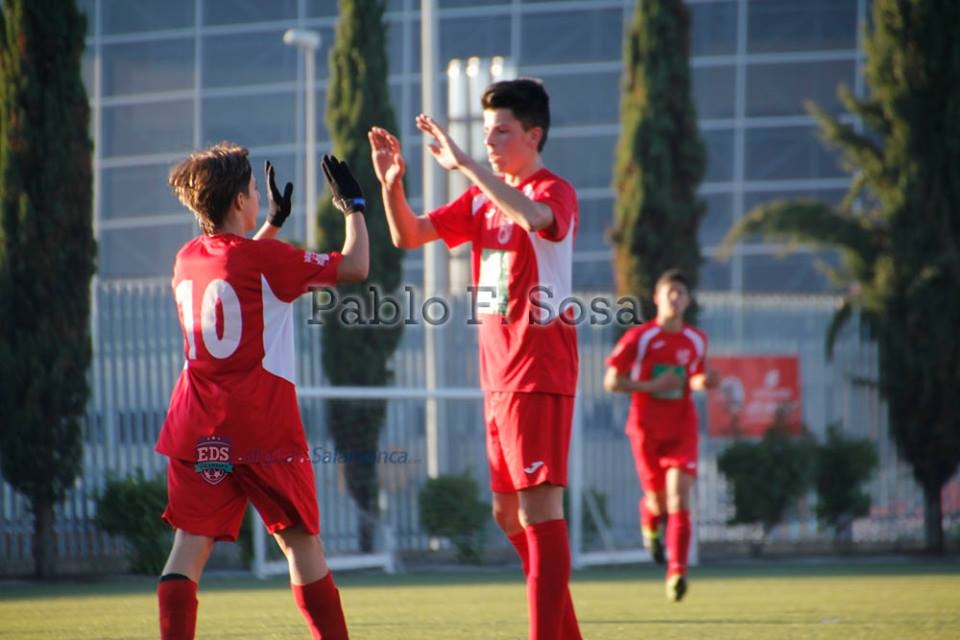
[454, 221]
[699, 365]
[560, 196]
[292, 271]
[624, 353]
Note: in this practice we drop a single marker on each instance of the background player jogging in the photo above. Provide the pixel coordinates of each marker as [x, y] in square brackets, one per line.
[659, 363]
[521, 224]
[236, 396]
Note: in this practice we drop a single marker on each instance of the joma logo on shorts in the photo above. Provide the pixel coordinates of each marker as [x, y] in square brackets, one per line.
[533, 467]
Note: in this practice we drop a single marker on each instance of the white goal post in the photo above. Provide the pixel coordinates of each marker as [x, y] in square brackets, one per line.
[385, 558]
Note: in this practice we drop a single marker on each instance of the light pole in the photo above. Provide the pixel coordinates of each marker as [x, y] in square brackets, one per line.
[434, 262]
[309, 41]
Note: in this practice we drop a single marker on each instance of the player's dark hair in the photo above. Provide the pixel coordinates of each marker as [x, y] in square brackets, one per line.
[526, 98]
[670, 276]
[208, 181]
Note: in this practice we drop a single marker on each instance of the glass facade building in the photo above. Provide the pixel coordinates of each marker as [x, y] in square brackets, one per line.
[168, 76]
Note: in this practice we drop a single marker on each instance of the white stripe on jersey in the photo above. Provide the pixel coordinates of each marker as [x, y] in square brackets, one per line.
[642, 345]
[278, 347]
[555, 271]
[477, 203]
[697, 341]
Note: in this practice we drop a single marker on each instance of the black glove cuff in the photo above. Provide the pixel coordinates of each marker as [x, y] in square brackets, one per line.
[356, 205]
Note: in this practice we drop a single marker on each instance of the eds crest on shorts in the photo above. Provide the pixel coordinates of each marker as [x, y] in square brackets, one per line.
[213, 459]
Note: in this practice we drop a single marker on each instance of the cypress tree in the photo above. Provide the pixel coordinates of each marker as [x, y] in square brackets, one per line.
[898, 231]
[47, 255]
[358, 98]
[660, 158]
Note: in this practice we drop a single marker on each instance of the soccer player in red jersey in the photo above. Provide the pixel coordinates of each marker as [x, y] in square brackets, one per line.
[521, 224]
[659, 363]
[233, 432]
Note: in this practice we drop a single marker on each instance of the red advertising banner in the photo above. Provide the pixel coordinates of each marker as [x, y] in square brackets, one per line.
[754, 393]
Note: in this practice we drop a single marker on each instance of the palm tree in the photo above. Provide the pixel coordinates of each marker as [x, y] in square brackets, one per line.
[898, 231]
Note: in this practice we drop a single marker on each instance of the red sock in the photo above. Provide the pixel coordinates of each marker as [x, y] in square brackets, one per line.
[519, 542]
[178, 608]
[648, 521]
[678, 542]
[571, 630]
[319, 602]
[548, 595]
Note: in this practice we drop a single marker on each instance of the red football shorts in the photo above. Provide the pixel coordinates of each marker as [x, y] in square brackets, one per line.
[653, 456]
[284, 494]
[528, 439]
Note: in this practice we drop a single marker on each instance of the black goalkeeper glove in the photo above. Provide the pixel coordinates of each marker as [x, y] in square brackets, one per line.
[347, 195]
[280, 205]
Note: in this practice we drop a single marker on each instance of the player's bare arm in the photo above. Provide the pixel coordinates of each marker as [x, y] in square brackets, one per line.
[615, 382]
[407, 230]
[355, 265]
[348, 199]
[532, 216]
[280, 205]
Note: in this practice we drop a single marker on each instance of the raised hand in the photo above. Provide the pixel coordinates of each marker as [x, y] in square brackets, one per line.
[280, 204]
[444, 150]
[347, 195]
[387, 157]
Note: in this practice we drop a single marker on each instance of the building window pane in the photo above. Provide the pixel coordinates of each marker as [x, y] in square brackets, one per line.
[596, 218]
[793, 273]
[267, 119]
[265, 60]
[413, 153]
[595, 275]
[240, 11]
[321, 8]
[144, 67]
[788, 25]
[715, 275]
[465, 37]
[450, 4]
[87, 67]
[143, 252]
[769, 95]
[718, 220]
[713, 29]
[714, 91]
[571, 36]
[788, 153]
[142, 129]
[584, 98]
[719, 144]
[125, 16]
[395, 44]
[133, 191]
[586, 162]
[321, 115]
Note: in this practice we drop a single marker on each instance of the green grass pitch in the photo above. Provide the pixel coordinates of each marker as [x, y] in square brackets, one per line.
[894, 600]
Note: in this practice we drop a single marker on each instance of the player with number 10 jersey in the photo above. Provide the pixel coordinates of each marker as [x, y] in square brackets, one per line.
[235, 300]
[233, 432]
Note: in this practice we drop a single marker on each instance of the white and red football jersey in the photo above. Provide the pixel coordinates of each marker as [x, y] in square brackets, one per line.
[235, 301]
[646, 351]
[521, 279]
